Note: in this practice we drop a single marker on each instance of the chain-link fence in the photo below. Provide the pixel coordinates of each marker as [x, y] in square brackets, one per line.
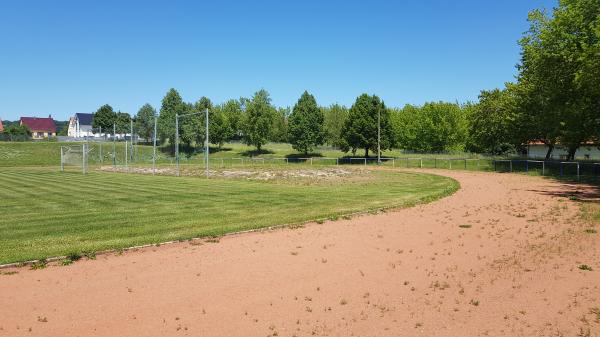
[575, 169]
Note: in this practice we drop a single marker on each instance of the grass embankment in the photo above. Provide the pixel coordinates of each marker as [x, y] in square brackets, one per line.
[46, 213]
[48, 154]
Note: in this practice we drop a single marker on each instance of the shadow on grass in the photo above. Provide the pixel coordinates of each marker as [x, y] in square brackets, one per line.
[256, 152]
[303, 155]
[189, 151]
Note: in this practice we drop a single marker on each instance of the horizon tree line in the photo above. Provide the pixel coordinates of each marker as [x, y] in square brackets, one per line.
[555, 100]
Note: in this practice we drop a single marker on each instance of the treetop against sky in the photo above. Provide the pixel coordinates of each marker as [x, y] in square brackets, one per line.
[65, 57]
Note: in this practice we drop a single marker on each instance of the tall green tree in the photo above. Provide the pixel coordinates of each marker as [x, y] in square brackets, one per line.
[235, 116]
[144, 122]
[280, 131]
[258, 123]
[360, 129]
[559, 74]
[171, 104]
[220, 129]
[104, 118]
[442, 127]
[306, 124]
[335, 116]
[123, 122]
[405, 123]
[491, 123]
[191, 127]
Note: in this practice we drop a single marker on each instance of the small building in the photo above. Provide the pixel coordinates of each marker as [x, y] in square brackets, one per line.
[80, 126]
[1, 126]
[538, 150]
[40, 127]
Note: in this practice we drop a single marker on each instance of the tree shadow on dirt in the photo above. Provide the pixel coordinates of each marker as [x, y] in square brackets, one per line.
[587, 190]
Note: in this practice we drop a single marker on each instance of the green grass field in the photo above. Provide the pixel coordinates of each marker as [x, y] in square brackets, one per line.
[46, 213]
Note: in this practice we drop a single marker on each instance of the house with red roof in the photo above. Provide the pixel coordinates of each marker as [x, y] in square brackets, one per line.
[40, 127]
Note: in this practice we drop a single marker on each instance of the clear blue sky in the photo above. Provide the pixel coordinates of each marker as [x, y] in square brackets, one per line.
[62, 57]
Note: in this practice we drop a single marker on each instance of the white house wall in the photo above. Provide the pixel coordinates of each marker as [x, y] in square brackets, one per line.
[559, 152]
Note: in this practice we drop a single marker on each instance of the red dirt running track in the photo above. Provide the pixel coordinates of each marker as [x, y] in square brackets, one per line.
[411, 272]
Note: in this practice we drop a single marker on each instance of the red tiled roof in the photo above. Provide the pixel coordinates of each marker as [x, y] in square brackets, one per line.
[39, 124]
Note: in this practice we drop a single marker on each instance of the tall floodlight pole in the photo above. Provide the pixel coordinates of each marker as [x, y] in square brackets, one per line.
[131, 132]
[101, 160]
[154, 149]
[114, 145]
[177, 144]
[378, 136]
[206, 146]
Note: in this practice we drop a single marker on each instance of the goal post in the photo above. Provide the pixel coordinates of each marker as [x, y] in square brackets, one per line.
[74, 156]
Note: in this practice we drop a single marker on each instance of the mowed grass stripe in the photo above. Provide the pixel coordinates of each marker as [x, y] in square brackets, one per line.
[47, 213]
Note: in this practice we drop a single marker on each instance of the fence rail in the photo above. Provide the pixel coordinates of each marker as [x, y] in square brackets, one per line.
[130, 156]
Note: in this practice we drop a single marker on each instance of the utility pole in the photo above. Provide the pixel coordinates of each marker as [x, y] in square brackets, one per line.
[154, 149]
[177, 142]
[206, 149]
[101, 159]
[131, 132]
[378, 136]
[114, 145]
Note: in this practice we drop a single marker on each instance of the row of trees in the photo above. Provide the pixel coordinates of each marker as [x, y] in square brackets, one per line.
[555, 100]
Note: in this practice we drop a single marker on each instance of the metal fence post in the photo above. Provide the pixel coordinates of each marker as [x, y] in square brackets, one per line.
[435, 162]
[126, 169]
[62, 160]
[450, 164]
[527, 166]
[510, 165]
[337, 161]
[394, 162]
[465, 164]
[494, 164]
[310, 161]
[83, 158]
[420, 162]
[577, 170]
[365, 161]
[561, 169]
[543, 167]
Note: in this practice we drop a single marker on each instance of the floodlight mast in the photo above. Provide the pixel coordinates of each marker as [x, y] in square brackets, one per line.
[206, 145]
[154, 148]
[378, 136]
[177, 143]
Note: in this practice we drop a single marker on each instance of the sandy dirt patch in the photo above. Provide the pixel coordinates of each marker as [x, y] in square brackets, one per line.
[249, 174]
[498, 258]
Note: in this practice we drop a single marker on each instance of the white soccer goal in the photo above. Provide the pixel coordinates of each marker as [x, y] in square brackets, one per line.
[75, 156]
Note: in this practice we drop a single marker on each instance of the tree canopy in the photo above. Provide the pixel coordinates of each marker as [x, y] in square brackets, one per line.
[559, 75]
[360, 129]
[171, 104]
[104, 118]
[259, 119]
[306, 124]
[144, 122]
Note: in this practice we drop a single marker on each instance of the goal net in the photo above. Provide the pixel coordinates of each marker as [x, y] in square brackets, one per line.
[74, 158]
